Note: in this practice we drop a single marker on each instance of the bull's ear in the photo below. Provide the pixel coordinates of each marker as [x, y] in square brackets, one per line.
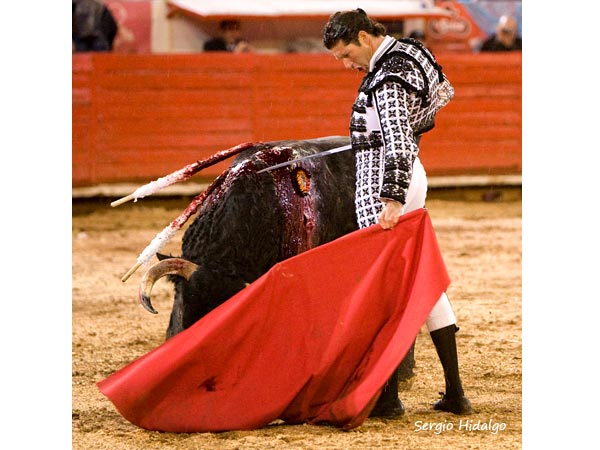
[160, 256]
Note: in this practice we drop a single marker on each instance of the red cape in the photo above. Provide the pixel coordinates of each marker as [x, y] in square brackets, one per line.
[313, 340]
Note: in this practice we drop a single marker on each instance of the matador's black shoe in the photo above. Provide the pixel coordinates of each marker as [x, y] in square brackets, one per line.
[456, 405]
[389, 410]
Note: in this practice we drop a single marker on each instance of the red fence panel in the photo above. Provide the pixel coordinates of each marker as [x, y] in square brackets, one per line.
[139, 117]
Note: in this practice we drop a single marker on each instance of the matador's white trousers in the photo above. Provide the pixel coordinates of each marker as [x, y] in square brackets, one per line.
[442, 314]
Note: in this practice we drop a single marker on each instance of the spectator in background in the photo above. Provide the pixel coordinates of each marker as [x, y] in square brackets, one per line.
[94, 27]
[505, 38]
[230, 39]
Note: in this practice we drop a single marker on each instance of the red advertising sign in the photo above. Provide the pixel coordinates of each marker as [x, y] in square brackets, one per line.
[458, 32]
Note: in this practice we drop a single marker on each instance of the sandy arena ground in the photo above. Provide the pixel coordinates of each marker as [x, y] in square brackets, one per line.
[481, 244]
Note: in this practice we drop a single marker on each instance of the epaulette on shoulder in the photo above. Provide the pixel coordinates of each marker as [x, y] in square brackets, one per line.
[399, 67]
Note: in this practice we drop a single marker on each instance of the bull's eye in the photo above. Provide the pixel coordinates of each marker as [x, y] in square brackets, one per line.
[301, 181]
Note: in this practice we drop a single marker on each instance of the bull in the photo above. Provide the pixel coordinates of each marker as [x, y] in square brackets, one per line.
[250, 221]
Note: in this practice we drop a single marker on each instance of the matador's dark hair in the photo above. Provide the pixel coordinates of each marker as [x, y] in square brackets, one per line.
[345, 25]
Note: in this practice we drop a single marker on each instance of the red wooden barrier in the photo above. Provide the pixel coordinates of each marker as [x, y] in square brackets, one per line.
[139, 117]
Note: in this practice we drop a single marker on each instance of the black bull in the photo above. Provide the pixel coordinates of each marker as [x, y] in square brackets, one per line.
[250, 221]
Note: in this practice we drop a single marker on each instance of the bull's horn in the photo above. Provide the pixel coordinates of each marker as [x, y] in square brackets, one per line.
[170, 266]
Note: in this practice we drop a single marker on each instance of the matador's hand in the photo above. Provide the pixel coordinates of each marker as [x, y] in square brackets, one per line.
[391, 214]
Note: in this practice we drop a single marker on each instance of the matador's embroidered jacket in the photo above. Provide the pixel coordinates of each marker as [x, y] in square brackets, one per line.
[397, 102]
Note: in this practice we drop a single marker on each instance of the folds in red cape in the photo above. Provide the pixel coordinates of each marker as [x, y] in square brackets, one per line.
[313, 340]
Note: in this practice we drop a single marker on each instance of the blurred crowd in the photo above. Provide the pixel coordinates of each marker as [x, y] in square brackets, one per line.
[94, 29]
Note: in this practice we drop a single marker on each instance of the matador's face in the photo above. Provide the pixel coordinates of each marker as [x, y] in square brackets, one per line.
[355, 56]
